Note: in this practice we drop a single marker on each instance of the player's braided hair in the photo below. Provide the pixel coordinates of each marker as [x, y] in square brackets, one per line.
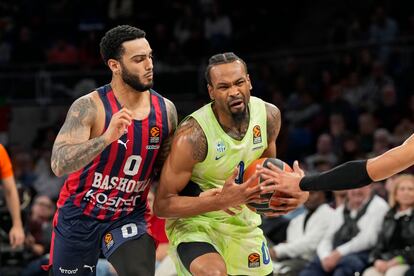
[223, 58]
[111, 43]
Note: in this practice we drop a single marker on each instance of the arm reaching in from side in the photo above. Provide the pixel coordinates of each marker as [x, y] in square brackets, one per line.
[352, 174]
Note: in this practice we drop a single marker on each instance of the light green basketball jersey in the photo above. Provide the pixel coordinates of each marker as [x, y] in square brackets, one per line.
[224, 154]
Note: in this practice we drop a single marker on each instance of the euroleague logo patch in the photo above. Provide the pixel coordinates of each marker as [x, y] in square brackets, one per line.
[257, 134]
[254, 260]
[154, 138]
[109, 240]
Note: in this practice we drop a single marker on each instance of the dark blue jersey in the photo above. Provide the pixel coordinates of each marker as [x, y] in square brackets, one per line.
[117, 181]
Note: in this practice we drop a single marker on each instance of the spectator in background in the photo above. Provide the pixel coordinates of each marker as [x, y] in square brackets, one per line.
[351, 149]
[120, 11]
[303, 236]
[27, 39]
[62, 52]
[39, 231]
[7, 182]
[382, 142]
[88, 56]
[324, 151]
[383, 31]
[353, 90]
[46, 183]
[339, 198]
[402, 131]
[217, 29]
[5, 48]
[373, 85]
[351, 234]
[389, 110]
[394, 251]
[367, 124]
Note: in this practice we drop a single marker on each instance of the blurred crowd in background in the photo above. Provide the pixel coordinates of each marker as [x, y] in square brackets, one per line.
[340, 74]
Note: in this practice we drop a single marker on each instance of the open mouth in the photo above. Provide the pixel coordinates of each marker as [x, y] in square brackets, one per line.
[236, 103]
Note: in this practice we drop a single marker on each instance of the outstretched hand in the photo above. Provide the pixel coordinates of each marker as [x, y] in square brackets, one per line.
[288, 195]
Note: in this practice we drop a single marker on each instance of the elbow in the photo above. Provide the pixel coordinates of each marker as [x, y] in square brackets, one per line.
[57, 171]
[158, 210]
[161, 209]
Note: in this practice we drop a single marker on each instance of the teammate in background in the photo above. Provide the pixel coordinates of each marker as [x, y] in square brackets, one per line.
[350, 175]
[232, 131]
[109, 145]
[16, 234]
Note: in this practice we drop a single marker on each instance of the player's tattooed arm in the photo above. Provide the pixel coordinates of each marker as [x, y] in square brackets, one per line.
[273, 122]
[73, 149]
[191, 131]
[273, 127]
[172, 125]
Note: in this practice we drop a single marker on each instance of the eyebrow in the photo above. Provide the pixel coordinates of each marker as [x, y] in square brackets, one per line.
[142, 55]
[227, 83]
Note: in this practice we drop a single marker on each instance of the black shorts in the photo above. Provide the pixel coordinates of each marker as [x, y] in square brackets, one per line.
[189, 251]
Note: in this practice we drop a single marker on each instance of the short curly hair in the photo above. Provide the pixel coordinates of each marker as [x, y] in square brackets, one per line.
[111, 43]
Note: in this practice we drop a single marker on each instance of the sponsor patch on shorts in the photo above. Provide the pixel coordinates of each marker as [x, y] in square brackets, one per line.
[254, 260]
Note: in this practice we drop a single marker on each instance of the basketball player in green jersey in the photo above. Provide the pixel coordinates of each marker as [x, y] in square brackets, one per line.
[209, 152]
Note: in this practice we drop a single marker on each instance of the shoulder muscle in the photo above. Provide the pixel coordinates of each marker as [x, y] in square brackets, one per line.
[190, 135]
[273, 121]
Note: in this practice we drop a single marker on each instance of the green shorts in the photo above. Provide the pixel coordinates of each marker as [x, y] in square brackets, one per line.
[243, 248]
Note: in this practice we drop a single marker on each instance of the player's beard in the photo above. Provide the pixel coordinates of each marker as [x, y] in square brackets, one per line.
[134, 81]
[238, 117]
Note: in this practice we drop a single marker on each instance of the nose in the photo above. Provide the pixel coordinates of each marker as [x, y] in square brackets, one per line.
[149, 64]
[233, 90]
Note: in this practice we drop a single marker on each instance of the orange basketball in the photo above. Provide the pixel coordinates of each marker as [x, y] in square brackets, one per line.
[251, 169]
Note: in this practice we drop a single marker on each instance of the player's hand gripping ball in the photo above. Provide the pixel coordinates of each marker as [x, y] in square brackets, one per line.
[251, 169]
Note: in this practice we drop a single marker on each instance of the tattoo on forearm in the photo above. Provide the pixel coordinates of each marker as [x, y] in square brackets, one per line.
[70, 158]
[195, 135]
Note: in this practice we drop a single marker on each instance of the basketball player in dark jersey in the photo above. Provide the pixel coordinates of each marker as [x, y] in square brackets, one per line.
[109, 145]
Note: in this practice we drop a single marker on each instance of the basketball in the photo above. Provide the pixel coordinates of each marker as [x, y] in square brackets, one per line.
[251, 169]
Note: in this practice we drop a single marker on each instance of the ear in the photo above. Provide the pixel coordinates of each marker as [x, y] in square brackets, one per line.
[210, 92]
[250, 83]
[114, 65]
